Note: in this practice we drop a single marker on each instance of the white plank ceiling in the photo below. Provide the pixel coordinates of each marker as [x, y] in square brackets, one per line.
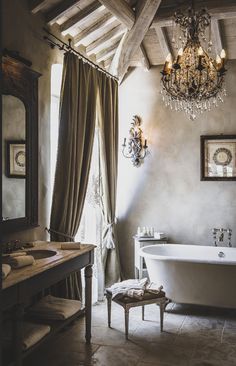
[118, 34]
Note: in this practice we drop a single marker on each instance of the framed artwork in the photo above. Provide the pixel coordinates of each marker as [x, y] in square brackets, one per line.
[15, 159]
[218, 157]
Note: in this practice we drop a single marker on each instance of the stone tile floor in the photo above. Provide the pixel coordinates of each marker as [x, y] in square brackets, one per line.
[193, 336]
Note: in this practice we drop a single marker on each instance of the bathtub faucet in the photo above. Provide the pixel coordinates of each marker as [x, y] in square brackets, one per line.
[221, 232]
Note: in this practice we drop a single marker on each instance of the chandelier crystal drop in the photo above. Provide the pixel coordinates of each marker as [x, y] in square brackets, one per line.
[194, 82]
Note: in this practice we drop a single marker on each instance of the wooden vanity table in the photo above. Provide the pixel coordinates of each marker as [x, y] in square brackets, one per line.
[22, 284]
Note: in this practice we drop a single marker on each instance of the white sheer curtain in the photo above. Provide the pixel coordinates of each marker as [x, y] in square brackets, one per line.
[90, 230]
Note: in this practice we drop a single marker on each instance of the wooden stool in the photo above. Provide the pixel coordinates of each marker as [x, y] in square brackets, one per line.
[128, 303]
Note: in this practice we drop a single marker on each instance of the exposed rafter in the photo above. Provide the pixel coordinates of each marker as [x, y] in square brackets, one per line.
[102, 22]
[133, 38]
[218, 9]
[162, 37]
[80, 17]
[121, 10]
[37, 5]
[105, 39]
[215, 28]
[107, 52]
[144, 58]
[60, 10]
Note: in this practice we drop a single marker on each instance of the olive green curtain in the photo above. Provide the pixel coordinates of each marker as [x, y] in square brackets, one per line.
[75, 143]
[108, 136]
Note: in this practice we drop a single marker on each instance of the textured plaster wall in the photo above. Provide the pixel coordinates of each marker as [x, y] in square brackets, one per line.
[13, 128]
[22, 32]
[166, 191]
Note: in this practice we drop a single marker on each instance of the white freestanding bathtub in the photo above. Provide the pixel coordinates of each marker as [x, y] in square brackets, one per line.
[193, 274]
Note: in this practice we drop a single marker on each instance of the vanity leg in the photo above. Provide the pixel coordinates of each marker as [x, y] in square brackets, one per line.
[18, 333]
[88, 302]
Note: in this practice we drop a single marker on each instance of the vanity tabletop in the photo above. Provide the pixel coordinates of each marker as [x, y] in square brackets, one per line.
[18, 275]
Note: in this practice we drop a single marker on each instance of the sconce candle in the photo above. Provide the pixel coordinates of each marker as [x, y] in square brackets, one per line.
[136, 151]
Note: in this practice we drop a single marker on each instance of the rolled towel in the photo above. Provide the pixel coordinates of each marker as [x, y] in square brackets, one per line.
[70, 246]
[22, 261]
[6, 269]
[55, 308]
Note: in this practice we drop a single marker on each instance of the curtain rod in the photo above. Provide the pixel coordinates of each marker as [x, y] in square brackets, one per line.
[63, 46]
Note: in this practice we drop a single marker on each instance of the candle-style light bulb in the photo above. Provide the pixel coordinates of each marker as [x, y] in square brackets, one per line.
[168, 63]
[200, 51]
[180, 54]
[168, 57]
[200, 56]
[223, 54]
[218, 59]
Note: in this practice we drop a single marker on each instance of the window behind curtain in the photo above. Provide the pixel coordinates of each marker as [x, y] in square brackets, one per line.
[90, 230]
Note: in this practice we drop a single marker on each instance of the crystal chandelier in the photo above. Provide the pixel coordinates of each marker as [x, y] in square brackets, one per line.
[194, 81]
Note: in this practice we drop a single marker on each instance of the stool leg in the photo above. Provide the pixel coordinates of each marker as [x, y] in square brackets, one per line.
[109, 310]
[162, 310]
[126, 322]
[142, 312]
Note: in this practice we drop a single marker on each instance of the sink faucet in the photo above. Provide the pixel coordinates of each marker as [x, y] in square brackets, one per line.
[221, 232]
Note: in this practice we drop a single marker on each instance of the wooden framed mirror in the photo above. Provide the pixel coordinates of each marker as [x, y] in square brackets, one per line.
[19, 144]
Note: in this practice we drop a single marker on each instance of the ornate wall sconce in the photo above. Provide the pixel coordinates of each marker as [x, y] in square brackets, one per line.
[135, 150]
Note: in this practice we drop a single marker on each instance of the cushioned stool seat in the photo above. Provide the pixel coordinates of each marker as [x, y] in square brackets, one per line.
[128, 302]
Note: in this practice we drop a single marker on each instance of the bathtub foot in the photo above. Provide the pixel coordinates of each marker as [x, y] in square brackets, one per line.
[168, 301]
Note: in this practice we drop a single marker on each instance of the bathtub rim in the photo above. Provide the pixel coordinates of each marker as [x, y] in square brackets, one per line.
[221, 261]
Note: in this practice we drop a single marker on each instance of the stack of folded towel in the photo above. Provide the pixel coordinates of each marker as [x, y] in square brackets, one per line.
[6, 269]
[135, 289]
[55, 308]
[19, 260]
[32, 333]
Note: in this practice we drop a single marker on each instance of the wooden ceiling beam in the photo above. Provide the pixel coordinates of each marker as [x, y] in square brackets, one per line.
[36, 5]
[60, 10]
[162, 37]
[105, 38]
[106, 53]
[132, 40]
[122, 11]
[144, 58]
[81, 16]
[102, 22]
[125, 14]
[218, 10]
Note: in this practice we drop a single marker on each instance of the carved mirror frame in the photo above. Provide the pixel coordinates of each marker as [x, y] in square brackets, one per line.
[20, 81]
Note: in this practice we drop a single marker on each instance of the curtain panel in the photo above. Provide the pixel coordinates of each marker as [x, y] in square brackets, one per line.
[86, 95]
[108, 136]
[75, 143]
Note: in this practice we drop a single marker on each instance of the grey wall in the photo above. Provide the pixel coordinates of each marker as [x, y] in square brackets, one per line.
[13, 128]
[166, 191]
[22, 32]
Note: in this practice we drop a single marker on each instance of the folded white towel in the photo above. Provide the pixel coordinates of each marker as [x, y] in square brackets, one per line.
[70, 246]
[32, 333]
[55, 308]
[135, 289]
[6, 269]
[126, 288]
[22, 261]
